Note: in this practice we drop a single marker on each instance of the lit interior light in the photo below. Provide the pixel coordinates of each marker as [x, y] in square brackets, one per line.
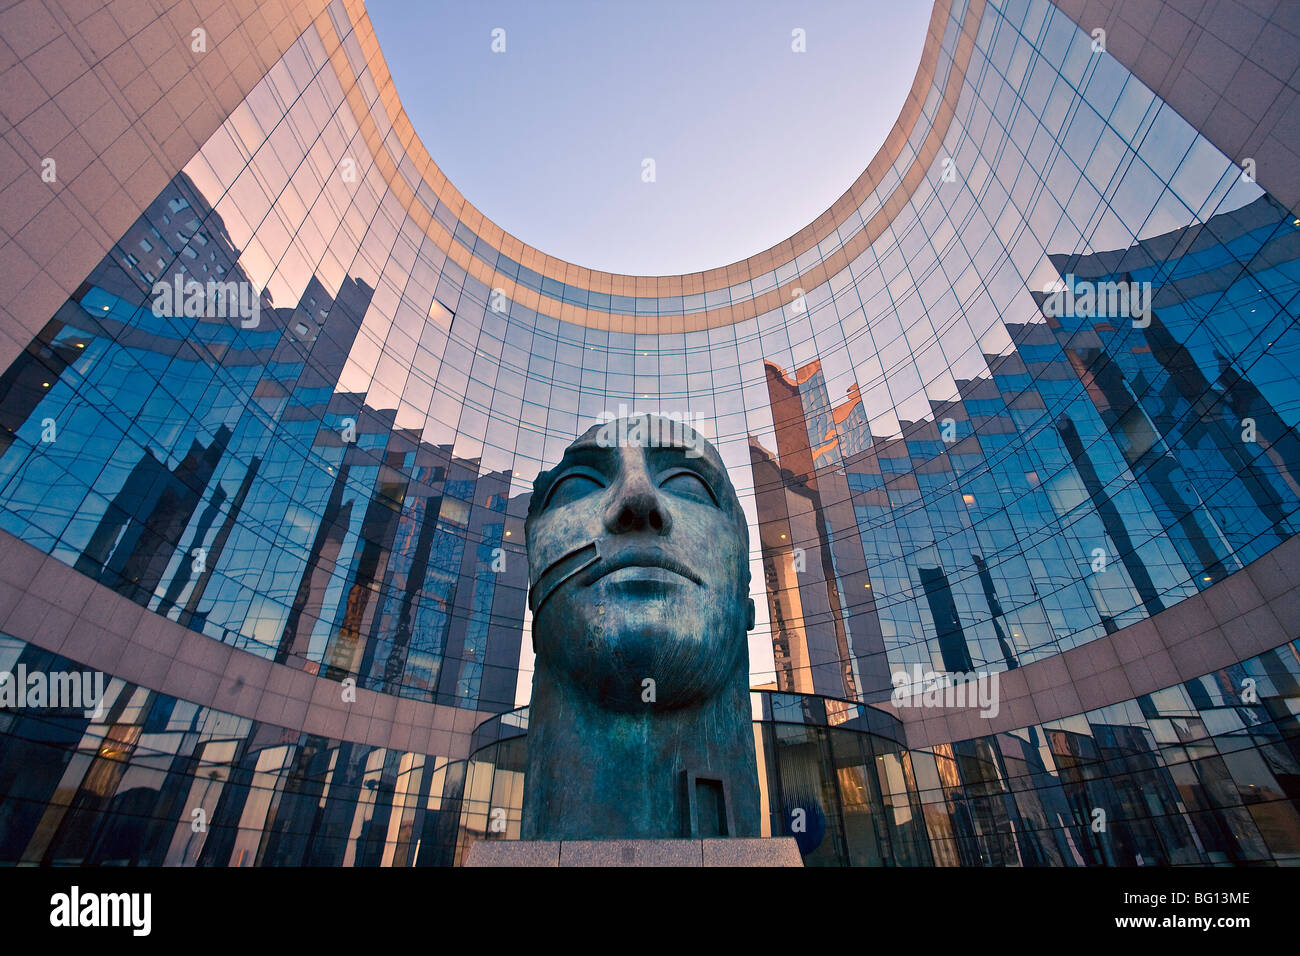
[969, 499]
[1207, 578]
[867, 586]
[507, 534]
[45, 384]
[782, 537]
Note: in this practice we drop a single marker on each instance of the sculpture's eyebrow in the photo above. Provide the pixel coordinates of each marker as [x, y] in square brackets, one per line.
[586, 445]
[602, 456]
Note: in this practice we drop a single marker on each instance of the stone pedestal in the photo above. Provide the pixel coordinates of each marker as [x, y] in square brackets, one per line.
[777, 851]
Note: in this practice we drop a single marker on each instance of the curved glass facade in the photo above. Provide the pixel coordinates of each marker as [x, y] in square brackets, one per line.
[123, 788]
[1031, 382]
[1190, 776]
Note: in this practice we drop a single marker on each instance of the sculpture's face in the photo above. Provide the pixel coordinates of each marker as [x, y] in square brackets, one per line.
[639, 563]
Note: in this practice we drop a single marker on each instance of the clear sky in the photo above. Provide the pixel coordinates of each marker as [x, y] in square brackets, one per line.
[750, 140]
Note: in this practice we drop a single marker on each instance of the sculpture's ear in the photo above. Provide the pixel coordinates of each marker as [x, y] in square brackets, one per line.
[749, 626]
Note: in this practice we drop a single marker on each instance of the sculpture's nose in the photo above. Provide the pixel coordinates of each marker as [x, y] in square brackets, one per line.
[636, 504]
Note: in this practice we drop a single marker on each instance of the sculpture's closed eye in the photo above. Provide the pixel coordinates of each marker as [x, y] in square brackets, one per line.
[688, 484]
[571, 488]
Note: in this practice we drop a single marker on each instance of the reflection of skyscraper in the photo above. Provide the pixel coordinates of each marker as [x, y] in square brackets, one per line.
[24, 384]
[995, 611]
[825, 635]
[396, 582]
[1186, 413]
[1168, 416]
[947, 625]
[129, 549]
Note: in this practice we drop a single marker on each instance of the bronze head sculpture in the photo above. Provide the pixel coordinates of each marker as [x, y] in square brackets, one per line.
[640, 722]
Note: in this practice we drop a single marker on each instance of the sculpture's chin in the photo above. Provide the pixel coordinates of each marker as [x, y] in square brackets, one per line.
[669, 670]
[631, 666]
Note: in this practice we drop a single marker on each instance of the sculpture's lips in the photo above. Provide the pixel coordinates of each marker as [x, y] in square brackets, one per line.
[639, 559]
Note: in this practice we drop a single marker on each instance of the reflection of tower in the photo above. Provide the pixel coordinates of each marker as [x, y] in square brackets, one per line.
[359, 602]
[178, 232]
[191, 616]
[995, 611]
[467, 672]
[309, 601]
[1279, 441]
[952, 639]
[389, 649]
[1182, 429]
[381, 567]
[27, 381]
[176, 586]
[427, 588]
[780, 572]
[1191, 528]
[826, 638]
[1111, 519]
[134, 540]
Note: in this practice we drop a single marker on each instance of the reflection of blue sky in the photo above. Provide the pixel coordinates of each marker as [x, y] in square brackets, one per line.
[751, 141]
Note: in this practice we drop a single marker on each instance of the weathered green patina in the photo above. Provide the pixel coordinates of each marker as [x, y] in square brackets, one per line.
[640, 723]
